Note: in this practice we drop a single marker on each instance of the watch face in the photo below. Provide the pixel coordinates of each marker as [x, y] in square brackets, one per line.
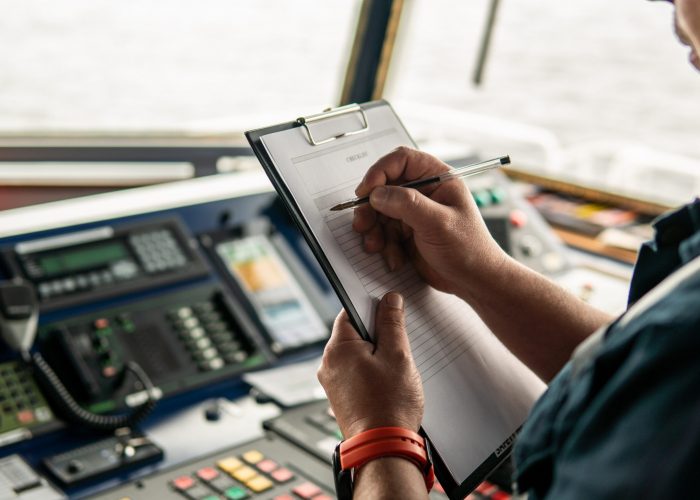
[343, 478]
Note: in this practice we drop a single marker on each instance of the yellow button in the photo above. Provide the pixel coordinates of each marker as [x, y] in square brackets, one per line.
[244, 473]
[258, 484]
[253, 456]
[229, 464]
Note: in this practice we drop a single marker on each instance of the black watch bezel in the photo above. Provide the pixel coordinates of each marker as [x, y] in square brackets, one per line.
[342, 478]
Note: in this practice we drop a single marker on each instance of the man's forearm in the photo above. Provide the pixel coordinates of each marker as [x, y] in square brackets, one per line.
[536, 319]
[390, 478]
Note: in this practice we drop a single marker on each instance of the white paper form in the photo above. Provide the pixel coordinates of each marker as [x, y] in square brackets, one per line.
[477, 393]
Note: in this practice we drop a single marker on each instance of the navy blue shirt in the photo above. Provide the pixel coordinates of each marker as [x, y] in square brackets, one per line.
[622, 418]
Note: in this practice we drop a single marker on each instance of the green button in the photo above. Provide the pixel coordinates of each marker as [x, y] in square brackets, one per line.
[236, 493]
[482, 198]
[497, 195]
[210, 497]
[339, 434]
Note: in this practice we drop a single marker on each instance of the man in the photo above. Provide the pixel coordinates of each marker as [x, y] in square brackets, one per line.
[619, 419]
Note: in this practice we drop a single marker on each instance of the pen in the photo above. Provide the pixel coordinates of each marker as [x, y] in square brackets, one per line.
[473, 169]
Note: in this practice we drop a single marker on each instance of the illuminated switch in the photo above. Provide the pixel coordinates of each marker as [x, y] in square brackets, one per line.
[229, 464]
[258, 484]
[497, 195]
[486, 488]
[244, 474]
[517, 218]
[235, 493]
[207, 473]
[25, 417]
[183, 483]
[282, 475]
[267, 465]
[101, 323]
[307, 490]
[482, 198]
[253, 456]
[499, 495]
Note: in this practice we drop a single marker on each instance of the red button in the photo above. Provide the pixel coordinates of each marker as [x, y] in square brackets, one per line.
[183, 483]
[282, 475]
[25, 416]
[307, 490]
[500, 495]
[101, 323]
[283, 497]
[517, 218]
[486, 488]
[267, 465]
[322, 497]
[207, 473]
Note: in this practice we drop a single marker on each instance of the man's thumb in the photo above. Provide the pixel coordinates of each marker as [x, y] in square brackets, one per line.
[389, 328]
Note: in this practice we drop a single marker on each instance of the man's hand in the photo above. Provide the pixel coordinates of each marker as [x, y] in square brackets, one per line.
[371, 385]
[439, 228]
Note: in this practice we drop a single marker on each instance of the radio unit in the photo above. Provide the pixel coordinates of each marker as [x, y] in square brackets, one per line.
[106, 261]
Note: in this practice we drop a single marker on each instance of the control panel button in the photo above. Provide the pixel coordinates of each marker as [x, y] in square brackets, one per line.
[244, 474]
[236, 493]
[498, 194]
[517, 218]
[124, 269]
[253, 456]
[229, 464]
[282, 475]
[307, 490]
[267, 465]
[259, 484]
[207, 473]
[183, 483]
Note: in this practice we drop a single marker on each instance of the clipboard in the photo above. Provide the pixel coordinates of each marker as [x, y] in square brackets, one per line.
[306, 123]
[455, 487]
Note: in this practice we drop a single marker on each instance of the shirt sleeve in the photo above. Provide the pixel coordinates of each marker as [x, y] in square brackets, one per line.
[631, 426]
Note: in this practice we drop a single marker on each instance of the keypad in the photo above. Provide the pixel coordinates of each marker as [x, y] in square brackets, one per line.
[158, 251]
[250, 474]
[211, 338]
[21, 403]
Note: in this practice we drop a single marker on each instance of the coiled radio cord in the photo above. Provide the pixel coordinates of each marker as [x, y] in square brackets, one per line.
[69, 409]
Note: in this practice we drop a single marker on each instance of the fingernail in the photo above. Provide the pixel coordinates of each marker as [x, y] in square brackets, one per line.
[379, 196]
[394, 300]
[391, 263]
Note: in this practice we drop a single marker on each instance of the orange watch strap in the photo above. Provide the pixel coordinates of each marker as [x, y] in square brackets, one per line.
[387, 442]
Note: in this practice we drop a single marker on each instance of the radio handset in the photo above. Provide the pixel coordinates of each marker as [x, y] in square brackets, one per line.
[19, 314]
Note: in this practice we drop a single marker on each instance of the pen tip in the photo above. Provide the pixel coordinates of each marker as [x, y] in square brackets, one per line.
[505, 160]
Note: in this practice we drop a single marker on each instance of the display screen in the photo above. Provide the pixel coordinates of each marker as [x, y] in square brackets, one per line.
[276, 295]
[81, 258]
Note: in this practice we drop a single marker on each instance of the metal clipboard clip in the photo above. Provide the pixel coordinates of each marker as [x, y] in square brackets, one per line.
[304, 121]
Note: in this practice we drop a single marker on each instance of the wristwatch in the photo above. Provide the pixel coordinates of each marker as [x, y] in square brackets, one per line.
[353, 453]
